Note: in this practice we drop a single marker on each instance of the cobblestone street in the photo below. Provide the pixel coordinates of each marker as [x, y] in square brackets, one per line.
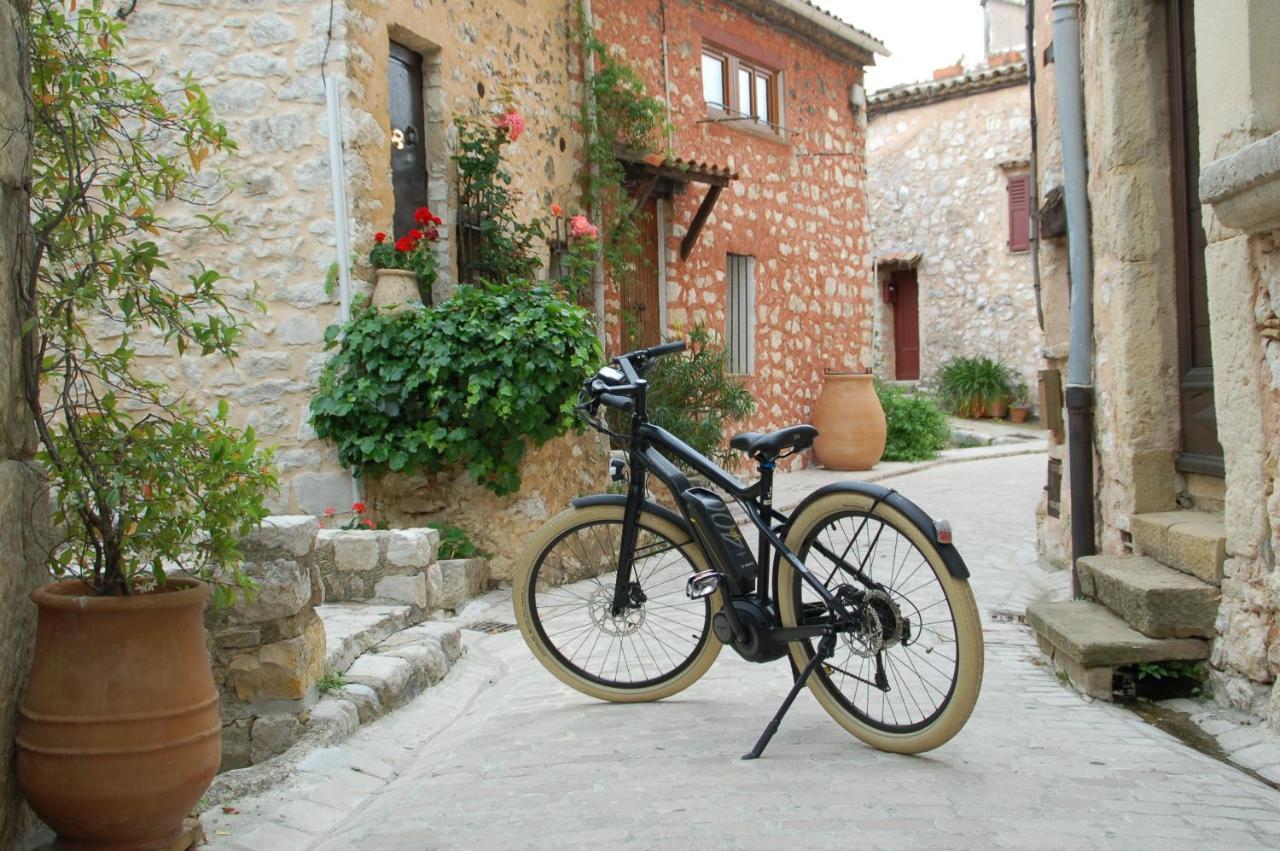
[501, 755]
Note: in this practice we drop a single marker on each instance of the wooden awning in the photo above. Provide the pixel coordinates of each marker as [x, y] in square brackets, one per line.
[653, 175]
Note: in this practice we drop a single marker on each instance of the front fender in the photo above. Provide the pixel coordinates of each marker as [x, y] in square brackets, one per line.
[651, 507]
[914, 513]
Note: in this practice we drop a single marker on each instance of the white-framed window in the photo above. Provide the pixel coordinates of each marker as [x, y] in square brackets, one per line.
[740, 314]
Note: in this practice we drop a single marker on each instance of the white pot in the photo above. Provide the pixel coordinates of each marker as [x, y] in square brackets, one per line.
[395, 290]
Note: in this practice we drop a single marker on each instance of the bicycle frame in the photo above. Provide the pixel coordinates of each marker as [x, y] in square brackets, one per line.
[647, 443]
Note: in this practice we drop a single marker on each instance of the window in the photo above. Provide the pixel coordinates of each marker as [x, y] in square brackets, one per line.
[739, 86]
[1019, 189]
[740, 315]
[409, 164]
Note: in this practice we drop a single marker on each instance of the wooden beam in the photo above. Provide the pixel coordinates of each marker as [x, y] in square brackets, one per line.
[699, 219]
[643, 191]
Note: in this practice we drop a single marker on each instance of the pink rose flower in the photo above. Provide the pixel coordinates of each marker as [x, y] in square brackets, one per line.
[513, 123]
[580, 227]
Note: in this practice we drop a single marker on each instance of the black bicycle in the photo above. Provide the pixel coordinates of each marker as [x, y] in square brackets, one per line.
[626, 600]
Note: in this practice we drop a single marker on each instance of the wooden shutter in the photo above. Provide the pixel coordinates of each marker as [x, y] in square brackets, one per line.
[409, 150]
[1019, 212]
[740, 309]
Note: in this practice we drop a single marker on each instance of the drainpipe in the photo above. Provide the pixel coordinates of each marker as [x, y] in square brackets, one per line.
[1079, 395]
[341, 225]
[1030, 50]
[597, 214]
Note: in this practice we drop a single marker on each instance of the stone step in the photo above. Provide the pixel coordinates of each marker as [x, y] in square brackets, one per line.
[1087, 642]
[352, 628]
[1194, 542]
[1157, 601]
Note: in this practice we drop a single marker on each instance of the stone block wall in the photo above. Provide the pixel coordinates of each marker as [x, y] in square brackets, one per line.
[269, 652]
[390, 566]
[936, 180]
[22, 501]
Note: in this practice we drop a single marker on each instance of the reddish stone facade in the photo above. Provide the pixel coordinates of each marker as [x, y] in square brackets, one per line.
[798, 206]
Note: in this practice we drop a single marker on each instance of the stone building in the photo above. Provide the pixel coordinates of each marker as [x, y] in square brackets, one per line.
[390, 74]
[21, 561]
[760, 219]
[947, 164]
[1181, 117]
[780, 267]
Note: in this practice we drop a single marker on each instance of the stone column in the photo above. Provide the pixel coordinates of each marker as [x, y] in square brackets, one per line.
[21, 504]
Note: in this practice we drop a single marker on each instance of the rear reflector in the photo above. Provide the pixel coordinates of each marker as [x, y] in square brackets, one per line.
[942, 531]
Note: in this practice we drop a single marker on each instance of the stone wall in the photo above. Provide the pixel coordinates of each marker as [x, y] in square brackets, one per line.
[1137, 432]
[21, 500]
[261, 63]
[1240, 186]
[937, 178]
[552, 475]
[269, 652]
[799, 205]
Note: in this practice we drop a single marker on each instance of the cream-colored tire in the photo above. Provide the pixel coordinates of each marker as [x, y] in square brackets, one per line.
[566, 573]
[931, 695]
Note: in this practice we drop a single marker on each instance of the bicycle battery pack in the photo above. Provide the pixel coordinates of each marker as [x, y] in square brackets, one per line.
[721, 539]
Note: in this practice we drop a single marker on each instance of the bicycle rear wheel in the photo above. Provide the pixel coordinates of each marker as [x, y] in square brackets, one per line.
[563, 589]
[920, 626]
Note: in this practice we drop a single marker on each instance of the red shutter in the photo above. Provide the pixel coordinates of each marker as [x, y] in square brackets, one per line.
[1019, 212]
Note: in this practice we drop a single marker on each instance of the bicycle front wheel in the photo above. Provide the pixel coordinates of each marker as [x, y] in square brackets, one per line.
[920, 636]
[563, 590]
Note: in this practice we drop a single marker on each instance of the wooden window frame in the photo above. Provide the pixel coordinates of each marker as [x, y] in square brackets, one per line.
[737, 54]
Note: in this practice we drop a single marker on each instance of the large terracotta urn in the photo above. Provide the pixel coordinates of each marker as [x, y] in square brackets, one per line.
[850, 422]
[119, 734]
[395, 290]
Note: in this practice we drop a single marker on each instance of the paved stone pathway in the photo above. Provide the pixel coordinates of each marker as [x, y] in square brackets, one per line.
[501, 755]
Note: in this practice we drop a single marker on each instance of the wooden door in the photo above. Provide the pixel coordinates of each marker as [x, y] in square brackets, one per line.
[641, 310]
[408, 136]
[906, 326]
[1201, 451]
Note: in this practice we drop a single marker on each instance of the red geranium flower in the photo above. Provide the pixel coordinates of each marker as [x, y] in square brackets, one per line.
[422, 215]
[433, 234]
[415, 234]
[357, 507]
[436, 220]
[368, 521]
[404, 244]
[379, 237]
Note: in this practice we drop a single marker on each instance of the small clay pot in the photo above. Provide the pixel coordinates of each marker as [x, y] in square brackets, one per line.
[395, 290]
[1018, 415]
[850, 422]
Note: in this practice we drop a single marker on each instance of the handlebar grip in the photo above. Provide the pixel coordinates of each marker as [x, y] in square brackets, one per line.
[665, 349]
[613, 400]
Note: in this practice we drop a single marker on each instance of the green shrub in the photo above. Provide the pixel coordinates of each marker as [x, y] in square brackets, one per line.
[468, 382]
[693, 396]
[968, 385]
[454, 542]
[917, 428]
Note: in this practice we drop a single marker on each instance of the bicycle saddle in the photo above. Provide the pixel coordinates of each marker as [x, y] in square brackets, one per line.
[766, 447]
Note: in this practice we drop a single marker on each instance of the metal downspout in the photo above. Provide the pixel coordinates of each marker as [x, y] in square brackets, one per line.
[1079, 391]
[597, 215]
[1030, 51]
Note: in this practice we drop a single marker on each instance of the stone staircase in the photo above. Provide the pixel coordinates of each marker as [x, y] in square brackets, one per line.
[1158, 604]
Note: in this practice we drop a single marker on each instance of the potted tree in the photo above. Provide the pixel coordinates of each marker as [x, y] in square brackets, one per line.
[119, 730]
[975, 386]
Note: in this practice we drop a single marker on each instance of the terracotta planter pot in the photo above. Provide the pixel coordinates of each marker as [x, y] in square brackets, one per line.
[395, 290]
[1018, 415]
[119, 733]
[997, 410]
[850, 422]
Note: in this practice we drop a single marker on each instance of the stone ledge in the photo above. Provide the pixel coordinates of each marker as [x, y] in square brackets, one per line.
[1155, 600]
[1193, 542]
[1094, 637]
[1244, 187]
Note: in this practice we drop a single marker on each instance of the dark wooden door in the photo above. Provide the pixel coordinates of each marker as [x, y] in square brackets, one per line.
[641, 312]
[1201, 451]
[906, 326]
[408, 136]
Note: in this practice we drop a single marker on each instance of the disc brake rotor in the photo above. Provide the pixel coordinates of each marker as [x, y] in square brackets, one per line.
[628, 621]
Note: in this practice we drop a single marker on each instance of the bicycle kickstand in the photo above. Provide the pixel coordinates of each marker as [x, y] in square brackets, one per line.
[826, 647]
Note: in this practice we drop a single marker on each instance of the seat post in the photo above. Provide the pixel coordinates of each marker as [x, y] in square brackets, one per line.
[766, 467]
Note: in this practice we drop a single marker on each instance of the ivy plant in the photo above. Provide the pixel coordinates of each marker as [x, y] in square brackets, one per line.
[142, 480]
[470, 382]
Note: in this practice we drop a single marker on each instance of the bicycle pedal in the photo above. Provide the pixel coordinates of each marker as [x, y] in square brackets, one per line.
[702, 584]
